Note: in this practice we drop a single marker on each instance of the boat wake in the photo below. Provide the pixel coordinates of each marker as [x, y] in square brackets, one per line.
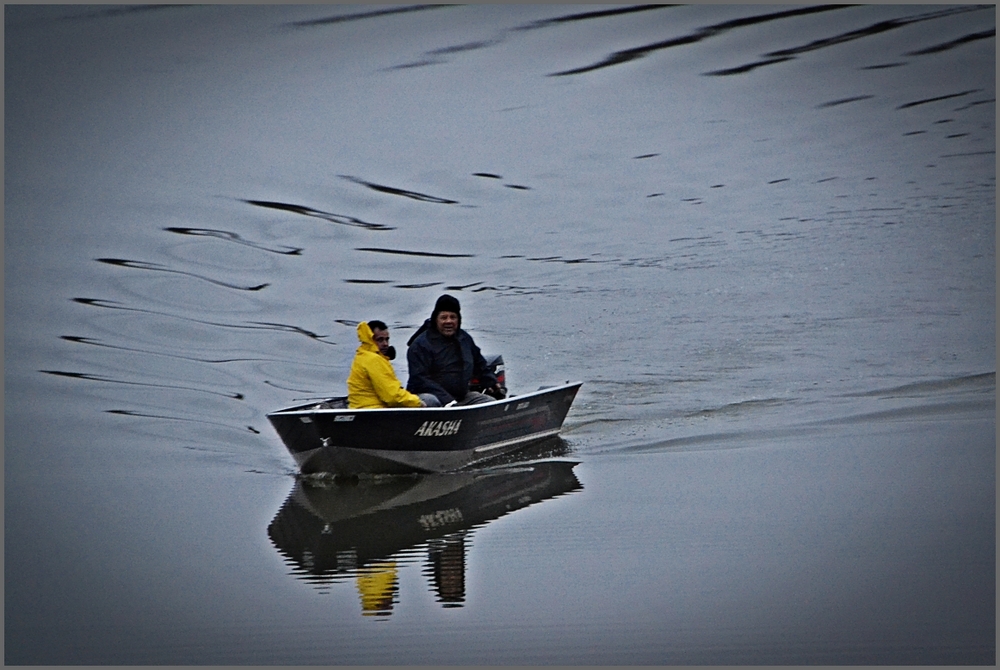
[749, 423]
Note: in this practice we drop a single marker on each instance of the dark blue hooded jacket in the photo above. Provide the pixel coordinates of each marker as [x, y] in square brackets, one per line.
[443, 365]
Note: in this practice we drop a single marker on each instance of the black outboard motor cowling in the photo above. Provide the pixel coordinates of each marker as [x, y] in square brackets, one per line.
[495, 365]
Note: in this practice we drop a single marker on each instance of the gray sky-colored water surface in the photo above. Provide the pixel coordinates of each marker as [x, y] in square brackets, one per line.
[762, 236]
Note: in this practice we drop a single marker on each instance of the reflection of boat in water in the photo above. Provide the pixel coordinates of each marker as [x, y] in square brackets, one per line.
[329, 437]
[332, 531]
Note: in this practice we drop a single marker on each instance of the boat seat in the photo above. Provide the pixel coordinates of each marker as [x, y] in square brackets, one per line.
[333, 403]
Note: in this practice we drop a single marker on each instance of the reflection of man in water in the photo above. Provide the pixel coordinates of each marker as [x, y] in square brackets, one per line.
[446, 565]
[378, 586]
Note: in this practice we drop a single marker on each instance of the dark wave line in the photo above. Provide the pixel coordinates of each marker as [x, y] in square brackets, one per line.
[398, 191]
[883, 66]
[326, 216]
[469, 46]
[111, 380]
[628, 55]
[343, 18]
[284, 327]
[426, 285]
[970, 153]
[404, 252]
[255, 325]
[844, 101]
[585, 16]
[462, 287]
[97, 343]
[432, 59]
[568, 261]
[296, 390]
[749, 67]
[973, 104]
[977, 381]
[972, 37]
[120, 11]
[129, 412]
[782, 55]
[156, 267]
[520, 290]
[415, 64]
[874, 29]
[233, 237]
[938, 98]
[738, 407]
[906, 412]
[690, 239]
[488, 175]
[368, 281]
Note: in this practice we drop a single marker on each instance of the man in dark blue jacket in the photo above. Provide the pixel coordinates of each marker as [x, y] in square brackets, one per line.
[443, 359]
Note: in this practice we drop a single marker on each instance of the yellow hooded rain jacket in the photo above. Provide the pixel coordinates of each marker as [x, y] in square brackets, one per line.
[372, 381]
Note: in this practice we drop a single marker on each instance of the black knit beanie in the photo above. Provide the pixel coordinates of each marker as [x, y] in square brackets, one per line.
[446, 303]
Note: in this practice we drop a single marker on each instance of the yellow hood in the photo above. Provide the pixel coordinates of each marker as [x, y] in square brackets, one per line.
[367, 338]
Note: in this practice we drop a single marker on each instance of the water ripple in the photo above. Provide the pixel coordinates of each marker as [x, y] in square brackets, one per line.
[144, 415]
[111, 380]
[627, 55]
[343, 18]
[326, 216]
[156, 267]
[983, 381]
[406, 252]
[782, 55]
[938, 98]
[843, 101]
[874, 29]
[233, 237]
[251, 325]
[585, 16]
[972, 37]
[78, 339]
[392, 190]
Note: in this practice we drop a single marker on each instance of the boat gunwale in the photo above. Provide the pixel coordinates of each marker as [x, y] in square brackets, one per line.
[312, 409]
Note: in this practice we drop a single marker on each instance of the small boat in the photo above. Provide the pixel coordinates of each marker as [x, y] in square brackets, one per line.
[328, 437]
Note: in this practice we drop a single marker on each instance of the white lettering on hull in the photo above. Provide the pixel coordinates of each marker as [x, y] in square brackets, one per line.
[438, 428]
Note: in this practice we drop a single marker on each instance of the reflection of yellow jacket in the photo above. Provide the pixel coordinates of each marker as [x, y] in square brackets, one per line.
[378, 586]
[373, 382]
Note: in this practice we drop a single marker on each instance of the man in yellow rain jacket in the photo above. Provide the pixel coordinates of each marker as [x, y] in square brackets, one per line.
[372, 381]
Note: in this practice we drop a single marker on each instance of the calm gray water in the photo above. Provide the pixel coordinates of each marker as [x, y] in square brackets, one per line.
[762, 236]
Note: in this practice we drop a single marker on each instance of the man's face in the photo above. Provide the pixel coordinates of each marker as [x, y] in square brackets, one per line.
[446, 323]
[381, 338]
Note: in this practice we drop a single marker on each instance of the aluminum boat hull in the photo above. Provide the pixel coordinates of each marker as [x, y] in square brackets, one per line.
[344, 441]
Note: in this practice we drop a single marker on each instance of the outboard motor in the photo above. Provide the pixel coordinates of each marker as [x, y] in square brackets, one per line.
[495, 365]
